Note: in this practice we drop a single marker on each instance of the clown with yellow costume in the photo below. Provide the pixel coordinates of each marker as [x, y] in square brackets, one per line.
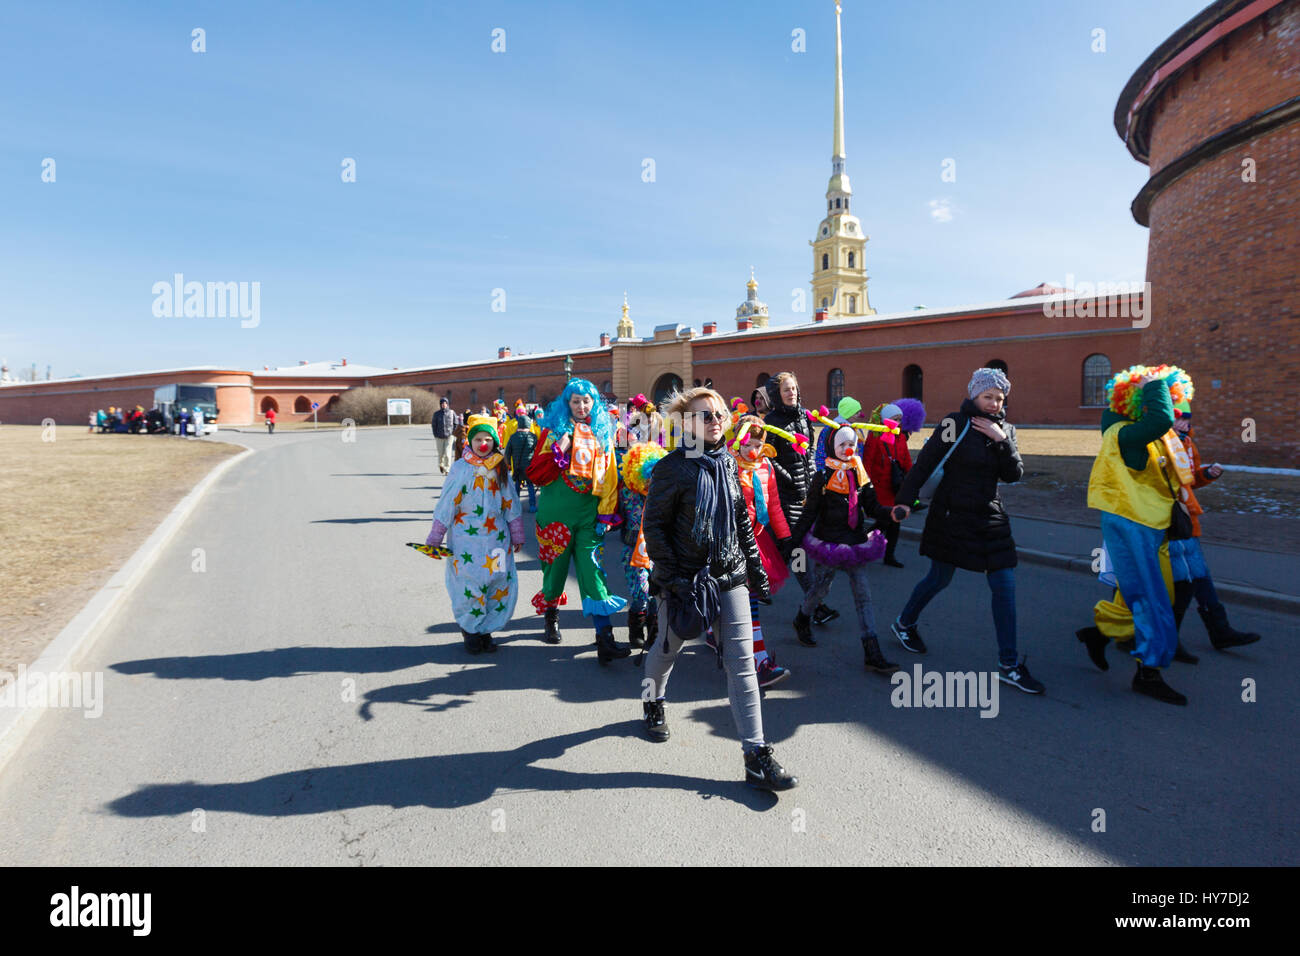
[1138, 482]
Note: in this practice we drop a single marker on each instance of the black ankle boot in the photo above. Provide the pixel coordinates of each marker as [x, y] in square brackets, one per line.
[1148, 681]
[656, 725]
[636, 628]
[1096, 643]
[606, 647]
[552, 635]
[873, 658]
[803, 629]
[485, 644]
[1222, 634]
[472, 643]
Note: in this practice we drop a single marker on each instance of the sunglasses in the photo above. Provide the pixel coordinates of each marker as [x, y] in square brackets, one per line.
[707, 417]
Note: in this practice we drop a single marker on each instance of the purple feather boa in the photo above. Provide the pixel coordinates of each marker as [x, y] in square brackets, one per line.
[845, 555]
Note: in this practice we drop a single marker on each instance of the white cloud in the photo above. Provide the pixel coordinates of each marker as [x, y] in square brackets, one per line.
[941, 210]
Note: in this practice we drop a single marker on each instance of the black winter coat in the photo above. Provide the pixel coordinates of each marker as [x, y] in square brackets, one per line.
[826, 513]
[666, 526]
[966, 524]
[791, 419]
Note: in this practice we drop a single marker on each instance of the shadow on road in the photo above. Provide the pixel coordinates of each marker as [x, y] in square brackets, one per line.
[444, 782]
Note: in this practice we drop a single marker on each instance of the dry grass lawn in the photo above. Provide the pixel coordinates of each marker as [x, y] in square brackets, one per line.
[73, 510]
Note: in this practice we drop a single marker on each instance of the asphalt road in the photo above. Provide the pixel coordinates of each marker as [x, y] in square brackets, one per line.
[305, 699]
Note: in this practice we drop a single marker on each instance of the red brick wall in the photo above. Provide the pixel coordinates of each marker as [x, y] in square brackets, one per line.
[69, 402]
[1222, 256]
[1044, 359]
[1244, 73]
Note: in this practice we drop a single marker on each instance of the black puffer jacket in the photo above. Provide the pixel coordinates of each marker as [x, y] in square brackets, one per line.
[966, 524]
[666, 525]
[826, 514]
[792, 419]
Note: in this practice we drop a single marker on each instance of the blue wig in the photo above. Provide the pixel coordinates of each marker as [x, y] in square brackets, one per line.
[559, 419]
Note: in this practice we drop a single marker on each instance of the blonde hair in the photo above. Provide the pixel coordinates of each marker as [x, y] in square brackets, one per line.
[675, 405]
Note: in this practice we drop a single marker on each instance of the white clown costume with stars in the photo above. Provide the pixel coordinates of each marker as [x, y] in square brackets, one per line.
[477, 511]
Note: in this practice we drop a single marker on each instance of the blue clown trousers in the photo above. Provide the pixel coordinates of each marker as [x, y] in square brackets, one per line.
[1134, 552]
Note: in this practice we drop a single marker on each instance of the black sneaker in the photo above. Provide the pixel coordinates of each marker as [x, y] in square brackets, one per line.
[909, 637]
[824, 614]
[656, 725]
[763, 772]
[1017, 675]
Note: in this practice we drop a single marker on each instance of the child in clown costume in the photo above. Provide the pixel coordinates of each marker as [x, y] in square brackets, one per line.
[756, 461]
[635, 482]
[479, 519]
[574, 467]
[833, 531]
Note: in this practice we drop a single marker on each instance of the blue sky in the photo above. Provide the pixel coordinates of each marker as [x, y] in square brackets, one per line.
[522, 170]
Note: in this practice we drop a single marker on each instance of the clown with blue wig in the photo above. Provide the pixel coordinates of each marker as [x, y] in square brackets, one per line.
[576, 471]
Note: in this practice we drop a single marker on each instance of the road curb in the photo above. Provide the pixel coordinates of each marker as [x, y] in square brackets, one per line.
[1235, 593]
[81, 632]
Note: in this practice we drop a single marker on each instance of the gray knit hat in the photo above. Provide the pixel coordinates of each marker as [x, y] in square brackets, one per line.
[986, 378]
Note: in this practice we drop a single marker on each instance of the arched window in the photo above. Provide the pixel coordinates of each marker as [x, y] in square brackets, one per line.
[828, 205]
[826, 260]
[607, 389]
[834, 387]
[1096, 373]
[825, 302]
[853, 304]
[473, 396]
[851, 260]
[665, 385]
[532, 394]
[269, 403]
[837, 204]
[302, 404]
[332, 403]
[501, 393]
[761, 380]
[912, 382]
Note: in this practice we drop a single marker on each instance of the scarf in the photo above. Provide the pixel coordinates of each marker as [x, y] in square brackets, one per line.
[756, 474]
[714, 523]
[587, 457]
[840, 481]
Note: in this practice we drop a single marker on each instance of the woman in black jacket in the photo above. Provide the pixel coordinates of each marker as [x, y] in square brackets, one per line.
[698, 535]
[787, 413]
[967, 526]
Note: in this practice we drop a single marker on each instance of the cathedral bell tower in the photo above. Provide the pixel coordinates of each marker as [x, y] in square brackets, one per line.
[839, 281]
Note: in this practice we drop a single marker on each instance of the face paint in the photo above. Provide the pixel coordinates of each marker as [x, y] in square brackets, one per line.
[846, 442]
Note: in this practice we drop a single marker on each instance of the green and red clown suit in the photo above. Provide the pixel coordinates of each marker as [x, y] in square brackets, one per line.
[577, 503]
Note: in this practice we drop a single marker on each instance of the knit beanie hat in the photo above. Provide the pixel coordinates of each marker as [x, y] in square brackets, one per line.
[482, 423]
[986, 378]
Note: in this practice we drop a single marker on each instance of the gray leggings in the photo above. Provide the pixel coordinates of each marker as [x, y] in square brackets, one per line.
[734, 630]
[822, 577]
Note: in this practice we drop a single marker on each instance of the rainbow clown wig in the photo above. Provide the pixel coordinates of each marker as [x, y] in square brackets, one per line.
[559, 419]
[638, 462]
[1124, 395]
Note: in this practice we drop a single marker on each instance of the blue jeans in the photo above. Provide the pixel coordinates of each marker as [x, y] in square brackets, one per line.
[532, 493]
[1134, 551]
[1189, 565]
[1002, 585]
